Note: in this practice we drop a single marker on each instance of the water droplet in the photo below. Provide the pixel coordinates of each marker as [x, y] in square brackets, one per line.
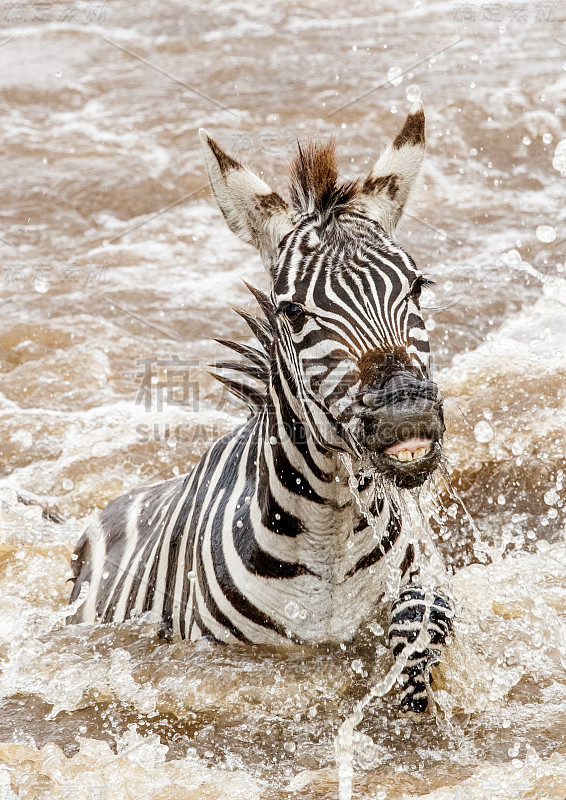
[272, 440]
[545, 233]
[58, 73]
[526, 140]
[501, 499]
[547, 138]
[483, 432]
[376, 629]
[68, 484]
[395, 76]
[413, 92]
[552, 513]
[559, 160]
[239, 524]
[452, 510]
[292, 609]
[278, 516]
[430, 324]
[191, 575]
[41, 286]
[551, 497]
[512, 258]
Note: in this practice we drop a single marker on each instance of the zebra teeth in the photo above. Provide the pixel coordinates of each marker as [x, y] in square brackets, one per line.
[410, 449]
[411, 455]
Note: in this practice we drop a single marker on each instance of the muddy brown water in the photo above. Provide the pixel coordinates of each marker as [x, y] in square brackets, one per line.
[116, 265]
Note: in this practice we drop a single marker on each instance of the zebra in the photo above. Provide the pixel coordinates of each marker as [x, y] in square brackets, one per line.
[290, 529]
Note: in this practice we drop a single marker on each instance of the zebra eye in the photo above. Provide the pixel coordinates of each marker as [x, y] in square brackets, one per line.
[418, 285]
[292, 311]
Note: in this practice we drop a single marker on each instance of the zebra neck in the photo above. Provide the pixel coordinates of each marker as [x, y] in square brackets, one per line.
[298, 455]
[307, 510]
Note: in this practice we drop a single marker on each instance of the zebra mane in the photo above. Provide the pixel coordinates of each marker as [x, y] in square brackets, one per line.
[256, 363]
[314, 180]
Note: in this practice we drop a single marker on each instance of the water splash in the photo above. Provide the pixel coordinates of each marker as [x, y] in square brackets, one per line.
[480, 547]
[73, 607]
[386, 490]
[343, 743]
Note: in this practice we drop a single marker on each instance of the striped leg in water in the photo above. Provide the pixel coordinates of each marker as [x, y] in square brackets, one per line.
[414, 609]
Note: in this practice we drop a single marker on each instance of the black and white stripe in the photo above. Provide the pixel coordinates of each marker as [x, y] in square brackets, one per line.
[264, 541]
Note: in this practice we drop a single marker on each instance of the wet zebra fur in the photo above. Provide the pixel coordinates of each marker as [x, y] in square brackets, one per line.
[291, 528]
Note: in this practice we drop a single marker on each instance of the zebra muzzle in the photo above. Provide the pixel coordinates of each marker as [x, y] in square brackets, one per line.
[401, 429]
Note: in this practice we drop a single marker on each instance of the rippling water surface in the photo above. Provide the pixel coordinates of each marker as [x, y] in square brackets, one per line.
[114, 262]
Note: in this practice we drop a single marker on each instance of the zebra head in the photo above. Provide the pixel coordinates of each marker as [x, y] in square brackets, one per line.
[350, 348]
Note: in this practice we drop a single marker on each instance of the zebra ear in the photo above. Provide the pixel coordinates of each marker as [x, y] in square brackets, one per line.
[252, 210]
[394, 174]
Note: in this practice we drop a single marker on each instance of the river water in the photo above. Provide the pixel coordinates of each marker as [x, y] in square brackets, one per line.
[116, 273]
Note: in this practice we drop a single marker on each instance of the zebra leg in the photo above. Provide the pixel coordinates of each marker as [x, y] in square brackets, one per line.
[410, 612]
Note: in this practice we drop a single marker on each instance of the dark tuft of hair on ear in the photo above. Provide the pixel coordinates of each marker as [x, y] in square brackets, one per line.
[314, 180]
